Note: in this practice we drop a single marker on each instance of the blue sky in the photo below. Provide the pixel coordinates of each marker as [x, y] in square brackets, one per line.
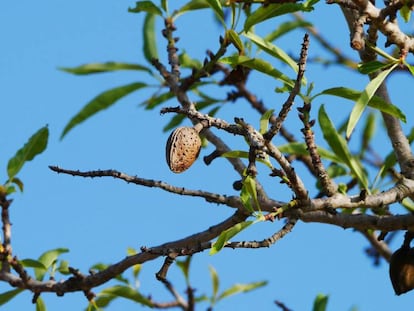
[99, 219]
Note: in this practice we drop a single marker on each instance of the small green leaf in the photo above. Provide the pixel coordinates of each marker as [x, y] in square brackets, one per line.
[157, 99]
[301, 149]
[285, 28]
[9, 295]
[101, 301]
[101, 102]
[375, 102]
[145, 6]
[187, 62]
[35, 145]
[405, 13]
[259, 65]
[18, 183]
[184, 266]
[226, 235]
[32, 263]
[245, 155]
[241, 288]
[368, 132]
[218, 10]
[40, 304]
[371, 67]
[215, 282]
[269, 11]
[381, 52]
[364, 99]
[48, 259]
[234, 38]
[340, 148]
[320, 303]
[410, 68]
[103, 67]
[128, 293]
[264, 121]
[272, 50]
[250, 183]
[191, 6]
[150, 38]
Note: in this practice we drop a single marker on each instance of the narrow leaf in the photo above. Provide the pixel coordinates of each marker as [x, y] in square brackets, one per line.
[285, 28]
[191, 6]
[184, 266]
[259, 65]
[128, 293]
[339, 147]
[218, 10]
[264, 121]
[145, 6]
[101, 102]
[266, 12]
[226, 235]
[241, 288]
[301, 149]
[365, 97]
[234, 38]
[410, 68]
[48, 259]
[405, 13]
[320, 303]
[244, 155]
[103, 67]
[32, 263]
[150, 38]
[40, 304]
[371, 67]
[215, 281]
[35, 145]
[9, 295]
[250, 183]
[375, 102]
[272, 50]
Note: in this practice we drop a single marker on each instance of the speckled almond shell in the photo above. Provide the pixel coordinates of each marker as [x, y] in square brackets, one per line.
[183, 148]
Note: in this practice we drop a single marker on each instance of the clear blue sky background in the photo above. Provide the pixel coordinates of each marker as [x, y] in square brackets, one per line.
[99, 219]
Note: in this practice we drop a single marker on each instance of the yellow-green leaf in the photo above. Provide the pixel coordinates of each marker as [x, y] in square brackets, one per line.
[103, 67]
[101, 102]
[35, 145]
[364, 99]
[226, 235]
[150, 38]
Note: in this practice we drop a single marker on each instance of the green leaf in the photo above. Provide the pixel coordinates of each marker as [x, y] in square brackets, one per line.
[128, 293]
[150, 38]
[145, 6]
[410, 68]
[101, 301]
[32, 263]
[226, 235]
[218, 10]
[250, 183]
[35, 145]
[101, 102]
[272, 50]
[40, 304]
[103, 67]
[320, 303]
[368, 132]
[184, 266]
[191, 6]
[187, 62]
[234, 38]
[371, 67]
[301, 149]
[340, 148]
[405, 13]
[245, 155]
[157, 99]
[381, 52]
[9, 295]
[269, 11]
[241, 288]
[215, 282]
[285, 28]
[259, 65]
[18, 183]
[364, 98]
[48, 259]
[375, 102]
[264, 121]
